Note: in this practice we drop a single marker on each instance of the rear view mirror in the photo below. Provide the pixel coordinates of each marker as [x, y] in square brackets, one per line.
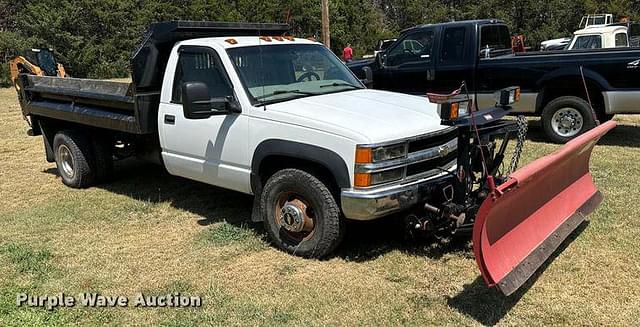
[197, 104]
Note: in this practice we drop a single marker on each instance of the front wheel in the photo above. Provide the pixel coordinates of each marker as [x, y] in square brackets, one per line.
[567, 117]
[300, 214]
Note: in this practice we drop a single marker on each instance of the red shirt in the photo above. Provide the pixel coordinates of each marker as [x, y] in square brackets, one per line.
[347, 53]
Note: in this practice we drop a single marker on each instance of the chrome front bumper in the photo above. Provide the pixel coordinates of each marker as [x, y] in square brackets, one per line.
[379, 202]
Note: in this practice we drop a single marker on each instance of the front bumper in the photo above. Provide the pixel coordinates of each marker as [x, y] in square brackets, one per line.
[376, 203]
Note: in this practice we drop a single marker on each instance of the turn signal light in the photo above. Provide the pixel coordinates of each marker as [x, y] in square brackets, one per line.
[362, 180]
[453, 114]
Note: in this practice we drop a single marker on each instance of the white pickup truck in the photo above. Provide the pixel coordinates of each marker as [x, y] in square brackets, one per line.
[277, 117]
[241, 106]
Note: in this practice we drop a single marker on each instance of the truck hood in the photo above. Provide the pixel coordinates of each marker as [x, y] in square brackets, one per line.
[371, 116]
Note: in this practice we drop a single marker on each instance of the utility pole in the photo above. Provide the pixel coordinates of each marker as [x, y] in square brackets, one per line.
[326, 35]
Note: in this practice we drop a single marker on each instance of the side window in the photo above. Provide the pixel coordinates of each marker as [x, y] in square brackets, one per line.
[200, 65]
[453, 46]
[414, 47]
[588, 42]
[621, 40]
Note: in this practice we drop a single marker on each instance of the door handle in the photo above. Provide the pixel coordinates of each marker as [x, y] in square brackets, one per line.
[170, 119]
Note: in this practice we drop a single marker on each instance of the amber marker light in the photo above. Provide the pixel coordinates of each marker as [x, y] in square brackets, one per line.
[364, 155]
[362, 180]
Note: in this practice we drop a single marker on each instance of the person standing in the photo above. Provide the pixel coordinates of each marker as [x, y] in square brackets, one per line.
[347, 53]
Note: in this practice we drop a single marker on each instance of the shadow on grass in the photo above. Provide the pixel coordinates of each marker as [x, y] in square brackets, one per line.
[365, 240]
[622, 135]
[146, 182]
[487, 305]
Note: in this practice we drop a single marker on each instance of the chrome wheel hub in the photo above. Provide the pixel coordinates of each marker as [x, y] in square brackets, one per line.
[292, 217]
[567, 122]
[66, 161]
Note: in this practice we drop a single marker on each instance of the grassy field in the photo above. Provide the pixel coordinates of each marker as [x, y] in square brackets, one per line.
[150, 232]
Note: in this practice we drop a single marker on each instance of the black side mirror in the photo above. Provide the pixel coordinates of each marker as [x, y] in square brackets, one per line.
[368, 76]
[196, 103]
[381, 58]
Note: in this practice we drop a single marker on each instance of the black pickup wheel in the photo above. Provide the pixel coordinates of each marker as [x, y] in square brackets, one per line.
[567, 117]
[300, 214]
[75, 159]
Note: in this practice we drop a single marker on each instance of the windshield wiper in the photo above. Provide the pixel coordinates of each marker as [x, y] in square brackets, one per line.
[278, 92]
[340, 84]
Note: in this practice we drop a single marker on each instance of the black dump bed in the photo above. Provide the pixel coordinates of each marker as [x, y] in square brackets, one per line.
[126, 107]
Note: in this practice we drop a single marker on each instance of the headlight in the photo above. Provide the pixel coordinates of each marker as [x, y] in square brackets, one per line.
[507, 96]
[377, 178]
[365, 155]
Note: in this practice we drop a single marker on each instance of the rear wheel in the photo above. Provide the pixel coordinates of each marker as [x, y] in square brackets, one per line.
[300, 214]
[566, 117]
[74, 159]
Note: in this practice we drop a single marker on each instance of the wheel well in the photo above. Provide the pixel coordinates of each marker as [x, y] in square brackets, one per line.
[572, 87]
[48, 128]
[274, 163]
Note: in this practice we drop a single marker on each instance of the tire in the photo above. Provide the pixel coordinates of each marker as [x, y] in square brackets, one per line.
[566, 117]
[294, 188]
[74, 158]
[103, 159]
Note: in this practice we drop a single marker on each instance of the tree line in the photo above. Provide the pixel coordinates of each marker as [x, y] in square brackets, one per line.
[95, 38]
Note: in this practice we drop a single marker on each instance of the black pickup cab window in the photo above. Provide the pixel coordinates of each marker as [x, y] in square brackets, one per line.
[494, 39]
[453, 46]
[414, 47]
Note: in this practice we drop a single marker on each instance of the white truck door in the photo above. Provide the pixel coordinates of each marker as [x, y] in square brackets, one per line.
[212, 150]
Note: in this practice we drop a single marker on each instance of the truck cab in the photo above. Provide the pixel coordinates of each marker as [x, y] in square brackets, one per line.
[598, 37]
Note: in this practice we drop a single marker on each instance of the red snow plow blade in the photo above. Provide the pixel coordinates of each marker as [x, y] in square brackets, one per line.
[534, 211]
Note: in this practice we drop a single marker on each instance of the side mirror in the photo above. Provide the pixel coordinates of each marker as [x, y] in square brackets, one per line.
[196, 103]
[381, 58]
[368, 76]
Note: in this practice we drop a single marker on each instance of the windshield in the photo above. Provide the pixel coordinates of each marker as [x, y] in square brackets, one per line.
[277, 73]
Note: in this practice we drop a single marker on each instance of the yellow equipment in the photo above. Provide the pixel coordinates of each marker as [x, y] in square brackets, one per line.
[40, 62]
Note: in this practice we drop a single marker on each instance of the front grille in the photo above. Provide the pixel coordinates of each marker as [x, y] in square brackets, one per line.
[429, 165]
[428, 155]
[432, 141]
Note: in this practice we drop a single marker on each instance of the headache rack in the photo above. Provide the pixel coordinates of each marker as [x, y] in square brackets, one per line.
[126, 107]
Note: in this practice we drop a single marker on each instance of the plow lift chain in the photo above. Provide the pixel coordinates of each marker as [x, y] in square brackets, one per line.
[521, 122]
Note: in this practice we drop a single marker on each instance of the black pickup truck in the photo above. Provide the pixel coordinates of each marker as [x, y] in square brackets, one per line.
[559, 86]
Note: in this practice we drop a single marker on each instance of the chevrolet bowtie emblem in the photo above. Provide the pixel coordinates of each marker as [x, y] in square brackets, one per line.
[444, 150]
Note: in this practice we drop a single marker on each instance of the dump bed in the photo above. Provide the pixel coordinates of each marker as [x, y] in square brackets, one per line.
[126, 107]
[96, 103]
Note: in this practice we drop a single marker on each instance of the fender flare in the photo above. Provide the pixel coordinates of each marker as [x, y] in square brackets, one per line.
[560, 74]
[277, 147]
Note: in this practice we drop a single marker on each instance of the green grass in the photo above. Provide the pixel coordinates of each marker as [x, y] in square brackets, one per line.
[150, 232]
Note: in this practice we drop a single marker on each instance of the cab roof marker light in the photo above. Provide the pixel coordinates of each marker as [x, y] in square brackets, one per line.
[265, 38]
[231, 41]
[289, 37]
[278, 38]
